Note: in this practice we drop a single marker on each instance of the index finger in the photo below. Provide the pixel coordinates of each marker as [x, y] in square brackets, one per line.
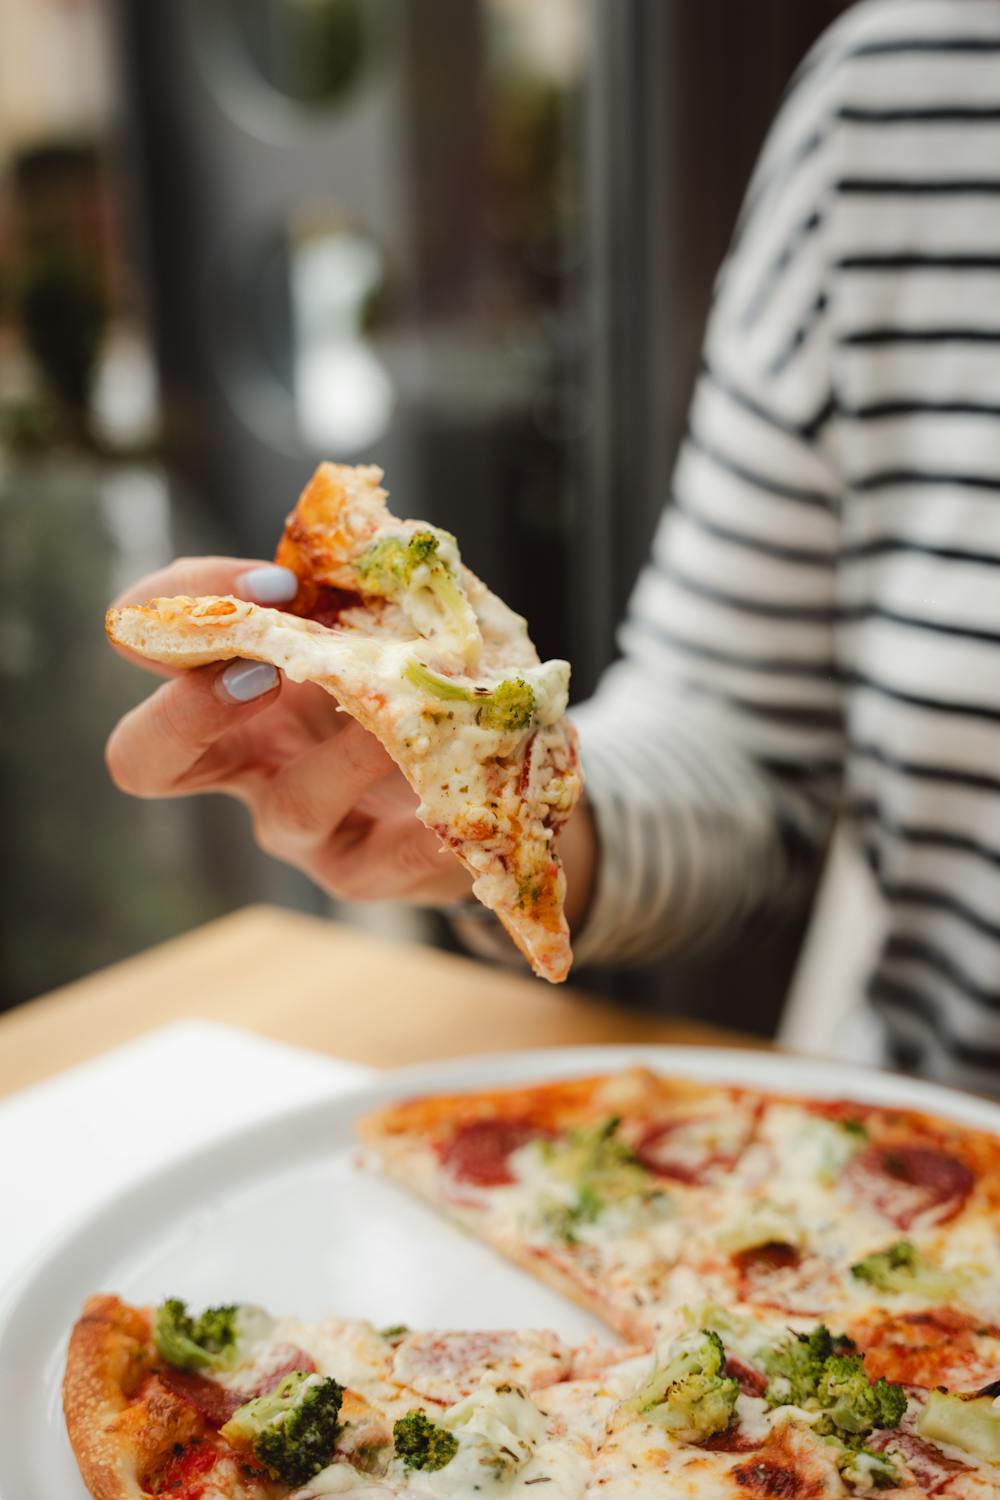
[189, 575]
[194, 576]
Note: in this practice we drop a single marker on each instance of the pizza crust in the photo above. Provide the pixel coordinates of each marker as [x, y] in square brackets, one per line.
[116, 1434]
[557, 1106]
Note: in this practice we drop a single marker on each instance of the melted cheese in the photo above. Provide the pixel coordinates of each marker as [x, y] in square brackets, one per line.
[341, 1479]
[510, 1443]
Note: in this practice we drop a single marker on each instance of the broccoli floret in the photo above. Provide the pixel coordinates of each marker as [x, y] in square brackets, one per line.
[594, 1154]
[292, 1431]
[690, 1396]
[969, 1422]
[388, 565]
[795, 1365]
[902, 1268]
[508, 707]
[864, 1468]
[849, 1400]
[604, 1170]
[421, 1443]
[213, 1340]
[564, 1219]
[822, 1373]
[891, 1268]
[412, 571]
[447, 688]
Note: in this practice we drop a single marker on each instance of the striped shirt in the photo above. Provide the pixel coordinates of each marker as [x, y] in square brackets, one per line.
[816, 633]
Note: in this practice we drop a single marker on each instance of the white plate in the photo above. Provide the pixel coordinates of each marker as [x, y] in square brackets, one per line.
[281, 1214]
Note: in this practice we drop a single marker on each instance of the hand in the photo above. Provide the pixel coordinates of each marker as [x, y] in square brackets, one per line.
[322, 792]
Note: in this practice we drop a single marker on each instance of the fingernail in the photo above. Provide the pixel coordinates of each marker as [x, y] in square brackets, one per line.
[243, 681]
[268, 585]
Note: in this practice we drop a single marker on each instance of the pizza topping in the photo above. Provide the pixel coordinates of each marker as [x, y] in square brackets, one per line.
[324, 603]
[287, 1362]
[188, 1471]
[212, 1400]
[421, 573]
[775, 1255]
[816, 1148]
[480, 1150]
[763, 1224]
[696, 1149]
[445, 1366]
[293, 1430]
[732, 1439]
[591, 1175]
[902, 1268]
[343, 1479]
[497, 1428]
[930, 1468]
[971, 1423]
[906, 1183]
[935, 1346]
[508, 707]
[789, 1280]
[793, 1462]
[688, 1394]
[751, 1381]
[759, 1476]
[421, 1443]
[760, 1266]
[820, 1373]
[795, 1365]
[216, 1339]
[866, 1468]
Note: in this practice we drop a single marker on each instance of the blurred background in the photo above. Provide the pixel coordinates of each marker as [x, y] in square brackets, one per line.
[470, 240]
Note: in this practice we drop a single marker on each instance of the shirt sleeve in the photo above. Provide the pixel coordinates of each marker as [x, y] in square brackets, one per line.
[713, 748]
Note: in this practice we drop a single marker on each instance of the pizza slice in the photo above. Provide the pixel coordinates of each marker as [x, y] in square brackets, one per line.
[234, 1404]
[418, 650]
[637, 1194]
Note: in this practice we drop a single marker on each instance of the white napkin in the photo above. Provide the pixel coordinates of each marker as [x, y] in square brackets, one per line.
[71, 1143]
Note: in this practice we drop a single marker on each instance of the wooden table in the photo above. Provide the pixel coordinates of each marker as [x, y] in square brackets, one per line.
[318, 984]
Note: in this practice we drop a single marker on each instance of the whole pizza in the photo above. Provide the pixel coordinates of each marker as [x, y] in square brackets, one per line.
[805, 1297]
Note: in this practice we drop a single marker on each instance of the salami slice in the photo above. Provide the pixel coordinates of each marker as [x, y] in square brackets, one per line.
[931, 1468]
[905, 1183]
[448, 1365]
[753, 1382]
[210, 1399]
[479, 1152]
[695, 1149]
[287, 1362]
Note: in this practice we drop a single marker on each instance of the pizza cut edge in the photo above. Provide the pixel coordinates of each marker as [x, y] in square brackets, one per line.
[391, 623]
[474, 1134]
[733, 1191]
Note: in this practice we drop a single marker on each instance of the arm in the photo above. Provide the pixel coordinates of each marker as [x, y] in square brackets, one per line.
[713, 748]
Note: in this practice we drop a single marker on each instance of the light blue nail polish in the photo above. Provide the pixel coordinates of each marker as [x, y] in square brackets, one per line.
[268, 585]
[244, 680]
